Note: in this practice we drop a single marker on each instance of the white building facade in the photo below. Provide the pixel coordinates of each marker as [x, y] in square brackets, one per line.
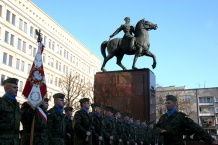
[63, 54]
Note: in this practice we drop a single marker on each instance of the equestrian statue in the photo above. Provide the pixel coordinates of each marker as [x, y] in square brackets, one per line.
[137, 45]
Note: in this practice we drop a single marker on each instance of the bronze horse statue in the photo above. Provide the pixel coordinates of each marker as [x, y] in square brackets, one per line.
[118, 46]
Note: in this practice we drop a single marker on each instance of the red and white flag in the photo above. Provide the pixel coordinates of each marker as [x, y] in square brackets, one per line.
[35, 88]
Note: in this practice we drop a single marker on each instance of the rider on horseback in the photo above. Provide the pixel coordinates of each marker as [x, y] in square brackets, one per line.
[128, 29]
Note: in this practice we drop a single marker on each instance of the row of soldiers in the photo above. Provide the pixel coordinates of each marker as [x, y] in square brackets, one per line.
[53, 127]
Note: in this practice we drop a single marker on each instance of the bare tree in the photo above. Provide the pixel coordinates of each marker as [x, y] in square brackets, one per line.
[74, 89]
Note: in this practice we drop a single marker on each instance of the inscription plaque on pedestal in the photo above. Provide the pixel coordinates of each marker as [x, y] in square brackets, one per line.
[130, 91]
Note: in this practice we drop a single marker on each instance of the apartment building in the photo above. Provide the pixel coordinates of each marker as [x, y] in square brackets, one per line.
[63, 53]
[200, 104]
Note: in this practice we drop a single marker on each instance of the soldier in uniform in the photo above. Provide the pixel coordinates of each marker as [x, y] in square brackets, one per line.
[119, 128]
[56, 121]
[138, 131]
[97, 133]
[40, 135]
[128, 29]
[82, 124]
[69, 128]
[109, 126]
[172, 125]
[10, 114]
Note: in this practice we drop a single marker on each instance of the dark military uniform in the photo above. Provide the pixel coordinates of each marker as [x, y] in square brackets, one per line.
[9, 121]
[57, 127]
[69, 127]
[40, 127]
[175, 124]
[81, 124]
[119, 131]
[109, 129]
[10, 116]
[97, 127]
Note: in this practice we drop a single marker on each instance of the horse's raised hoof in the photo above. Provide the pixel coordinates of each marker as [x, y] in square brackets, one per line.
[154, 65]
[134, 68]
[103, 69]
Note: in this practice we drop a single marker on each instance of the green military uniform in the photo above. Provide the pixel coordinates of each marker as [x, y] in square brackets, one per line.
[109, 128]
[96, 125]
[175, 123]
[81, 124]
[119, 131]
[69, 127]
[10, 116]
[56, 124]
[40, 136]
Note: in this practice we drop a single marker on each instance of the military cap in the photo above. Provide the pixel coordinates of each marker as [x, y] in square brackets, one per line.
[127, 18]
[10, 80]
[151, 122]
[83, 100]
[46, 99]
[95, 105]
[68, 108]
[109, 109]
[171, 97]
[59, 95]
[137, 118]
[125, 114]
[116, 111]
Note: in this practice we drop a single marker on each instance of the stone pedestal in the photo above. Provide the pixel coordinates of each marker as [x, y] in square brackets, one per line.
[130, 91]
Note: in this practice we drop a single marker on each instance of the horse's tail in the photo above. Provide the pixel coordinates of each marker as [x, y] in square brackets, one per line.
[103, 47]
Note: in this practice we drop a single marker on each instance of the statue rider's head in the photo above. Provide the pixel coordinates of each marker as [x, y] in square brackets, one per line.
[127, 19]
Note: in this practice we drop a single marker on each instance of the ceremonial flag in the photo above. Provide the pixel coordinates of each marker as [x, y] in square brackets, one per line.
[35, 88]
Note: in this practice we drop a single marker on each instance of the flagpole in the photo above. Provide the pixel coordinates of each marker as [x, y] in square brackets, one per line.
[32, 130]
[39, 40]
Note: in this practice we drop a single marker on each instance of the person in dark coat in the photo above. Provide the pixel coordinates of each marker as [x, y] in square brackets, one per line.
[172, 125]
[82, 124]
[69, 128]
[56, 121]
[10, 113]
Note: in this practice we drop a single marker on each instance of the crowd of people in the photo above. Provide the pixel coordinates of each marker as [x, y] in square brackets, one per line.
[102, 126]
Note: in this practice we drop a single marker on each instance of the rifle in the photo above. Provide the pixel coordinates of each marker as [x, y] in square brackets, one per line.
[90, 129]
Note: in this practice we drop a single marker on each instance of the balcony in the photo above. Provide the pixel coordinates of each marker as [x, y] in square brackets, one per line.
[206, 114]
[206, 104]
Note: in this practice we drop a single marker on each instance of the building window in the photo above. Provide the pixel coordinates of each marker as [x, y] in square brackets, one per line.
[52, 62]
[0, 10]
[206, 100]
[10, 60]
[66, 70]
[60, 50]
[25, 27]
[24, 46]
[4, 58]
[30, 50]
[34, 52]
[216, 99]
[59, 82]
[63, 68]
[20, 86]
[8, 15]
[56, 81]
[34, 34]
[57, 65]
[216, 109]
[22, 66]
[186, 98]
[6, 36]
[49, 44]
[19, 44]
[49, 60]
[2, 78]
[43, 57]
[45, 40]
[12, 40]
[51, 79]
[57, 50]
[20, 24]
[13, 19]
[17, 63]
[53, 46]
[206, 110]
[31, 31]
[28, 69]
